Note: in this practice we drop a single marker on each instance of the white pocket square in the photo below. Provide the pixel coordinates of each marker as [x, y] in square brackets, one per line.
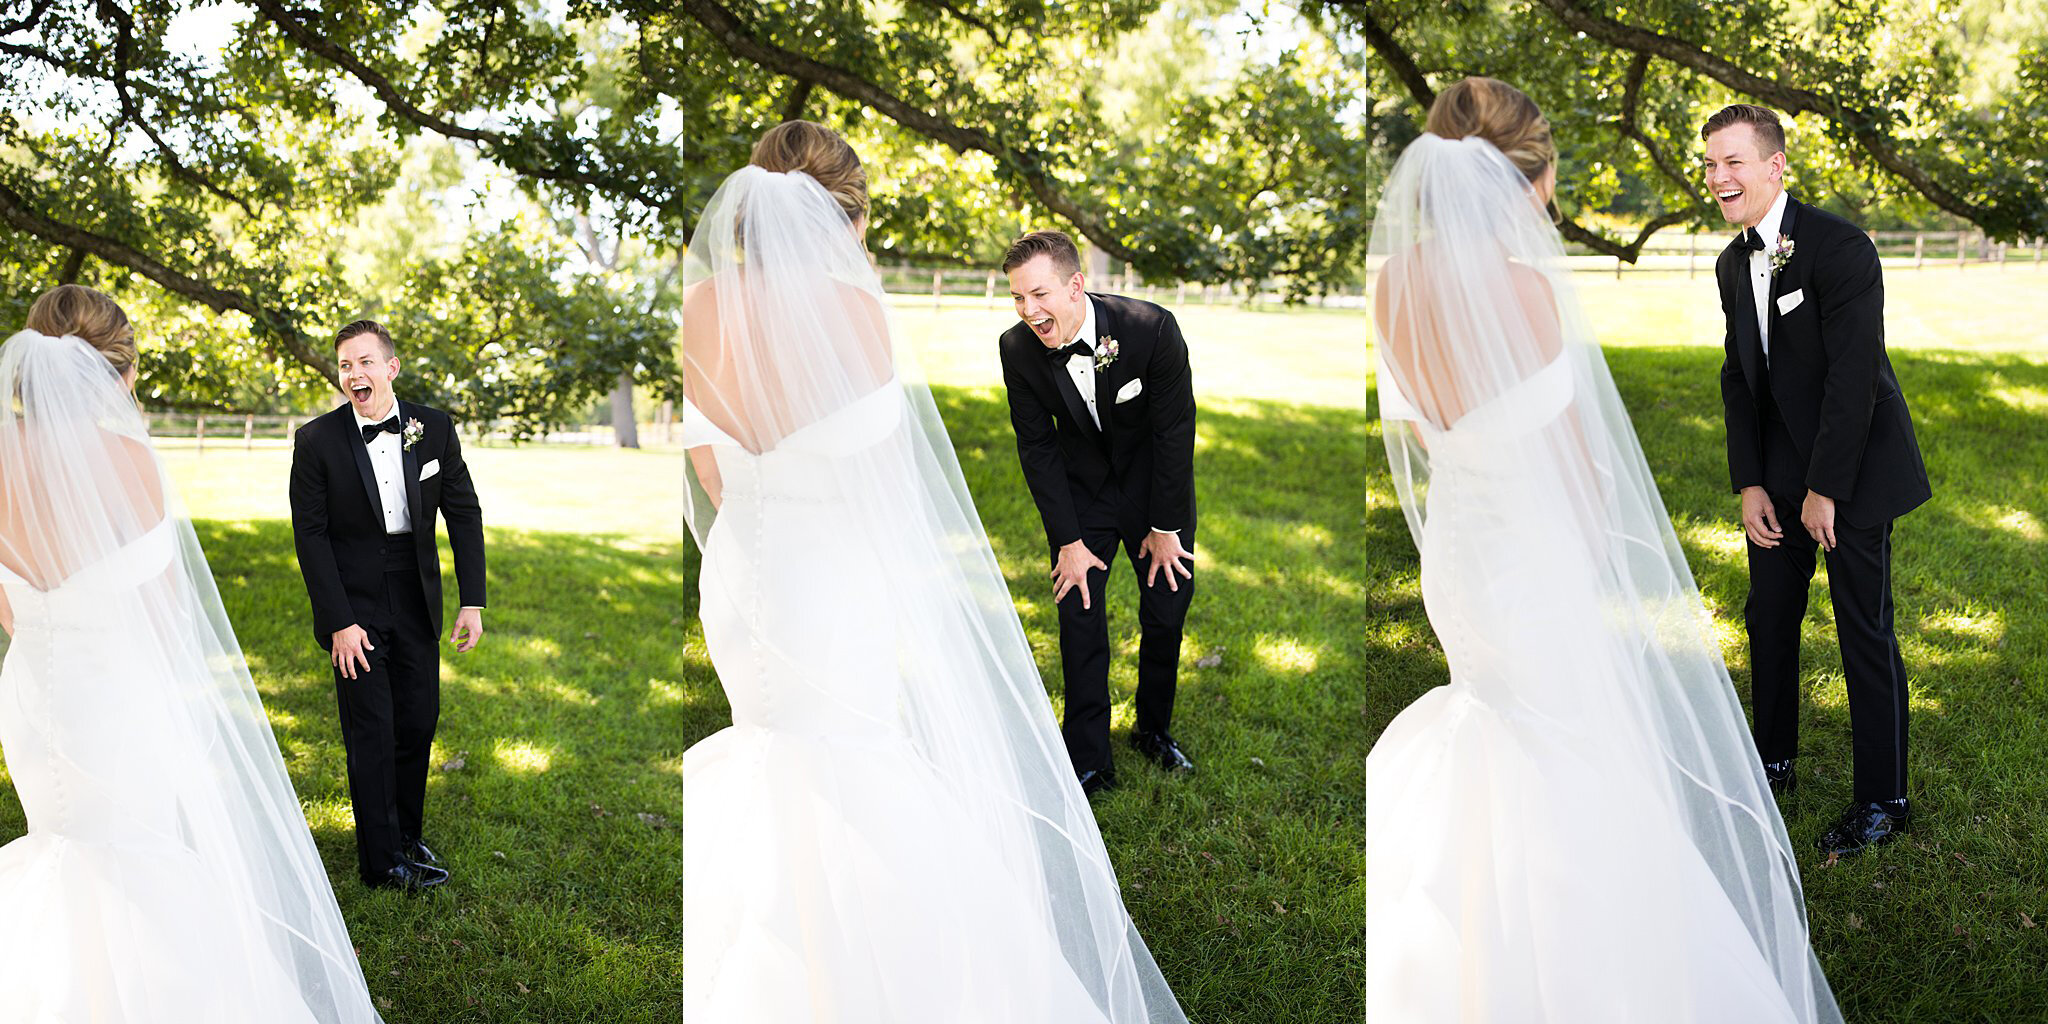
[431, 468]
[1791, 300]
[1129, 391]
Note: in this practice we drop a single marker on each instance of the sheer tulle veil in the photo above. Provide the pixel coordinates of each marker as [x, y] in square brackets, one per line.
[169, 741]
[1465, 253]
[803, 330]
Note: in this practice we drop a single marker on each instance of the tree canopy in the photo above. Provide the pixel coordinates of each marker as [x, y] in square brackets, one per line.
[1901, 110]
[252, 176]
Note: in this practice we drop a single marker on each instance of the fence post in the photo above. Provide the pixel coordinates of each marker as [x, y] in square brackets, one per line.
[249, 432]
[1617, 268]
[290, 426]
[199, 434]
[1961, 240]
[1180, 295]
[990, 290]
[938, 284]
[1692, 255]
[1919, 249]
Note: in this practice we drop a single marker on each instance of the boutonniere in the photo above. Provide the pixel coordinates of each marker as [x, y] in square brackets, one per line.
[1105, 352]
[414, 430]
[1781, 254]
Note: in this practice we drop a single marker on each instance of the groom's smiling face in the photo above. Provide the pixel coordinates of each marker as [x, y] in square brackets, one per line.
[367, 369]
[1743, 179]
[1051, 302]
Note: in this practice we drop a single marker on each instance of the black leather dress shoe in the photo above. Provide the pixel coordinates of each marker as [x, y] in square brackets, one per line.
[1866, 824]
[410, 877]
[1160, 749]
[418, 853]
[1780, 775]
[1093, 782]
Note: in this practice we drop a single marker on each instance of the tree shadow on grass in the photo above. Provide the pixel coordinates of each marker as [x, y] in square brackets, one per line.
[555, 797]
[1245, 878]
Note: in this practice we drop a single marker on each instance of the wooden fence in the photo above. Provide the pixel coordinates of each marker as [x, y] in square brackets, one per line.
[251, 432]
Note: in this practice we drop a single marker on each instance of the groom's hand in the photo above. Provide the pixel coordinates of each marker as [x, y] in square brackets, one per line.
[1760, 518]
[347, 653]
[1163, 553]
[1072, 571]
[469, 628]
[1817, 514]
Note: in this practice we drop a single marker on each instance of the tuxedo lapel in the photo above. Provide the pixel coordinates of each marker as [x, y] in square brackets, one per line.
[412, 472]
[1105, 385]
[1780, 277]
[1077, 407]
[1748, 343]
[361, 450]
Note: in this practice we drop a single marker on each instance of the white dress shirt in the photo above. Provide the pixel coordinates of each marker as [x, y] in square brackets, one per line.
[387, 464]
[1081, 366]
[1760, 271]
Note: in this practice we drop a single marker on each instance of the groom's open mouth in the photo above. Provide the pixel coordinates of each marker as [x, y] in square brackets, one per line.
[1729, 197]
[360, 393]
[1043, 327]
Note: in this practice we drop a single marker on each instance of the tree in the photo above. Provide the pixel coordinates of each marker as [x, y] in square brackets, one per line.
[979, 120]
[221, 188]
[1892, 106]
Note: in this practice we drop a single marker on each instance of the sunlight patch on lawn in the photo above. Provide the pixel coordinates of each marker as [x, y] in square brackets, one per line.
[2023, 398]
[521, 758]
[1725, 544]
[329, 814]
[281, 720]
[1286, 654]
[1987, 625]
[668, 692]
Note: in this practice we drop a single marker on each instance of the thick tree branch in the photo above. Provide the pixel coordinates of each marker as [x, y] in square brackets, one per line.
[1402, 63]
[799, 97]
[74, 264]
[1630, 126]
[1026, 165]
[507, 149]
[131, 111]
[16, 212]
[1787, 98]
[26, 21]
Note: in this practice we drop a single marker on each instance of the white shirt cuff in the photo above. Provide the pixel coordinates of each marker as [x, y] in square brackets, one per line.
[1170, 533]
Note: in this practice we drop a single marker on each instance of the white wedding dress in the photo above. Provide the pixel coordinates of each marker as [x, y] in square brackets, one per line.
[167, 874]
[1576, 829]
[107, 911]
[1521, 865]
[829, 875]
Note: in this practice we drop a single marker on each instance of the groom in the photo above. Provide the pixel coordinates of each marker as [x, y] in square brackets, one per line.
[1821, 449]
[1104, 412]
[367, 480]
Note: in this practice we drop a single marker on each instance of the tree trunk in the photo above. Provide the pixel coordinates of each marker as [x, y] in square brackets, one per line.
[623, 422]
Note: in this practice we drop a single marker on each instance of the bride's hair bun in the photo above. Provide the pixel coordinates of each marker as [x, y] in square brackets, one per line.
[811, 148]
[89, 314]
[1499, 113]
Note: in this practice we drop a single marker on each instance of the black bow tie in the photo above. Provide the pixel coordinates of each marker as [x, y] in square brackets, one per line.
[1750, 240]
[388, 426]
[1068, 350]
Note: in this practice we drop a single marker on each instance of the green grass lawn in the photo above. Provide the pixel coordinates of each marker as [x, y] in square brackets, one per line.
[1947, 924]
[556, 799]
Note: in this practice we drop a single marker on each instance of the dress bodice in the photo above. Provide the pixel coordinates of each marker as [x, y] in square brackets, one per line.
[81, 600]
[798, 467]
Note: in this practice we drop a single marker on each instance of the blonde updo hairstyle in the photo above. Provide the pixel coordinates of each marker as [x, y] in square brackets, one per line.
[811, 148]
[1501, 114]
[89, 314]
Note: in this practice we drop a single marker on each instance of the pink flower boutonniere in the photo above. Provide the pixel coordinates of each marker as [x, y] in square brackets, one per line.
[1105, 352]
[414, 430]
[1781, 254]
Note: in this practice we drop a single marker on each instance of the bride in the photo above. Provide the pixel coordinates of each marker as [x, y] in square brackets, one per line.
[167, 873]
[1576, 829]
[889, 831]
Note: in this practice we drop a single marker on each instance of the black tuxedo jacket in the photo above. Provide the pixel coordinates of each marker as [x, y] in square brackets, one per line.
[1143, 456]
[1827, 373]
[338, 519]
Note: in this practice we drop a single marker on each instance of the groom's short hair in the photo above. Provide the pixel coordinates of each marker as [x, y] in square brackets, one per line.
[1761, 120]
[1065, 258]
[368, 327]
